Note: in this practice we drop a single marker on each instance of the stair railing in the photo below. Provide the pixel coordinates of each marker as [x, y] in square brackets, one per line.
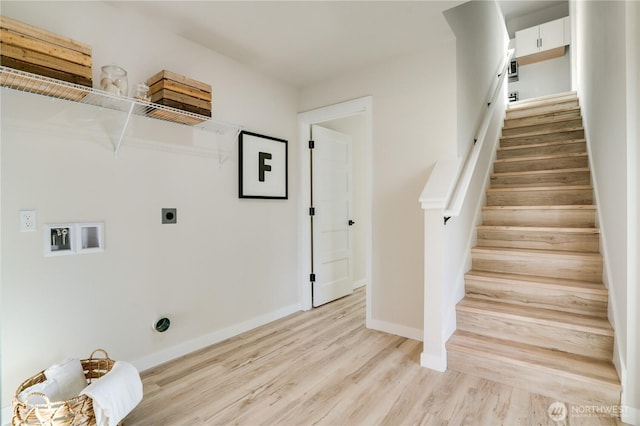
[444, 195]
[458, 191]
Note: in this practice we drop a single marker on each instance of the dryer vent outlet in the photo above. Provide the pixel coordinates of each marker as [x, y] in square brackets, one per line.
[162, 325]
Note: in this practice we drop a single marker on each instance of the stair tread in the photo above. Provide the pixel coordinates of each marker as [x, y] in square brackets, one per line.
[541, 172]
[566, 229]
[596, 372]
[544, 207]
[542, 316]
[542, 132]
[541, 157]
[548, 121]
[542, 188]
[539, 282]
[533, 111]
[541, 145]
[543, 100]
[570, 109]
[537, 252]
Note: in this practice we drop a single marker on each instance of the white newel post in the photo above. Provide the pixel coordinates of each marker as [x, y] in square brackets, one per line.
[433, 199]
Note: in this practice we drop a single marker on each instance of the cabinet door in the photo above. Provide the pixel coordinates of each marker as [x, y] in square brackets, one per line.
[552, 34]
[527, 41]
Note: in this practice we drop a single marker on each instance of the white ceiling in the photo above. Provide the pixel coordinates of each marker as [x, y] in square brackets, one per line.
[514, 8]
[302, 42]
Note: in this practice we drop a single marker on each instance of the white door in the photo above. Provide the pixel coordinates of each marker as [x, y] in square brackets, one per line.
[332, 201]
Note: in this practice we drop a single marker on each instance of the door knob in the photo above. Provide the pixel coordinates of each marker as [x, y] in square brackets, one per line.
[351, 222]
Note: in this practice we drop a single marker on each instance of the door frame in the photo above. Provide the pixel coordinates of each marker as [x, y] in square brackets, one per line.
[362, 106]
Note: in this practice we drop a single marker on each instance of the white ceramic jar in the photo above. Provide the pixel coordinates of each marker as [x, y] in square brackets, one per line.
[113, 79]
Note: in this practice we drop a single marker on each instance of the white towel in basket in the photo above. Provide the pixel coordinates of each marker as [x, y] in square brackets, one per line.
[115, 394]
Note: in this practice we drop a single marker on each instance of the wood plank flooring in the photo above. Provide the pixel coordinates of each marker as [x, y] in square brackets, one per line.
[324, 367]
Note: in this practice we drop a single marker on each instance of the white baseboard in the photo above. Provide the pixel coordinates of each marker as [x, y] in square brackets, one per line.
[400, 330]
[185, 348]
[630, 415]
[360, 283]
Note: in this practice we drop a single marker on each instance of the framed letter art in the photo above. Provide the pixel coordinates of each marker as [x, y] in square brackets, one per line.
[263, 166]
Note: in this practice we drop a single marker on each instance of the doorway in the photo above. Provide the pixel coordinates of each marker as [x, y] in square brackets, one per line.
[355, 119]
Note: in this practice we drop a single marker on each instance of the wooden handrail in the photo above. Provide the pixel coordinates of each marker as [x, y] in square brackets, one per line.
[458, 191]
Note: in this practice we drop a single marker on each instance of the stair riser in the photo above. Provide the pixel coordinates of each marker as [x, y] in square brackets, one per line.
[561, 299]
[541, 118]
[579, 269]
[525, 151]
[545, 137]
[542, 335]
[563, 218]
[533, 380]
[540, 198]
[544, 240]
[541, 109]
[543, 127]
[559, 163]
[542, 179]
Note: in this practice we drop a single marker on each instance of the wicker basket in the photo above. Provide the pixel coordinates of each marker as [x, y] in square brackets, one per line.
[77, 411]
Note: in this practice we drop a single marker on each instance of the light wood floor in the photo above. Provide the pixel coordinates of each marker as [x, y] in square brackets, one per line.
[324, 367]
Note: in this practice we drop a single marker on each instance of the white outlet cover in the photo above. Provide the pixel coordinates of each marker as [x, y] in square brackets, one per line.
[28, 220]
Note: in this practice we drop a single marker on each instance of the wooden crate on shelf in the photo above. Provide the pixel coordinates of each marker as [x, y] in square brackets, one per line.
[177, 91]
[28, 48]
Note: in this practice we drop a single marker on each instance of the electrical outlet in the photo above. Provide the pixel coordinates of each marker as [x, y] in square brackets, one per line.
[27, 220]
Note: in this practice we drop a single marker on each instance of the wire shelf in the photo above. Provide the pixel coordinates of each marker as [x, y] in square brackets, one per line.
[33, 83]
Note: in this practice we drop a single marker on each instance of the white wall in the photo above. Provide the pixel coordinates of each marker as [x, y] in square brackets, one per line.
[227, 265]
[482, 42]
[632, 390]
[602, 90]
[544, 78]
[606, 51]
[354, 126]
[413, 126]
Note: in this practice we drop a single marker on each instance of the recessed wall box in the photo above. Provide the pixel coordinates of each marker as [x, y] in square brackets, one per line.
[169, 215]
[73, 238]
[91, 237]
[59, 239]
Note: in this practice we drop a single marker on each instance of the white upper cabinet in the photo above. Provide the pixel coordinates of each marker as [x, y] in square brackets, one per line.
[528, 41]
[552, 35]
[542, 38]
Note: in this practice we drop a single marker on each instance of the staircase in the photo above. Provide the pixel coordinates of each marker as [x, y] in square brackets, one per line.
[535, 311]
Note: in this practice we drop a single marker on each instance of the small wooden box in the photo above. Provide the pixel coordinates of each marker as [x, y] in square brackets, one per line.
[28, 48]
[177, 91]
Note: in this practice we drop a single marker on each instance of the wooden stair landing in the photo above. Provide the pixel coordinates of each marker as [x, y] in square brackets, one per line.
[534, 313]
